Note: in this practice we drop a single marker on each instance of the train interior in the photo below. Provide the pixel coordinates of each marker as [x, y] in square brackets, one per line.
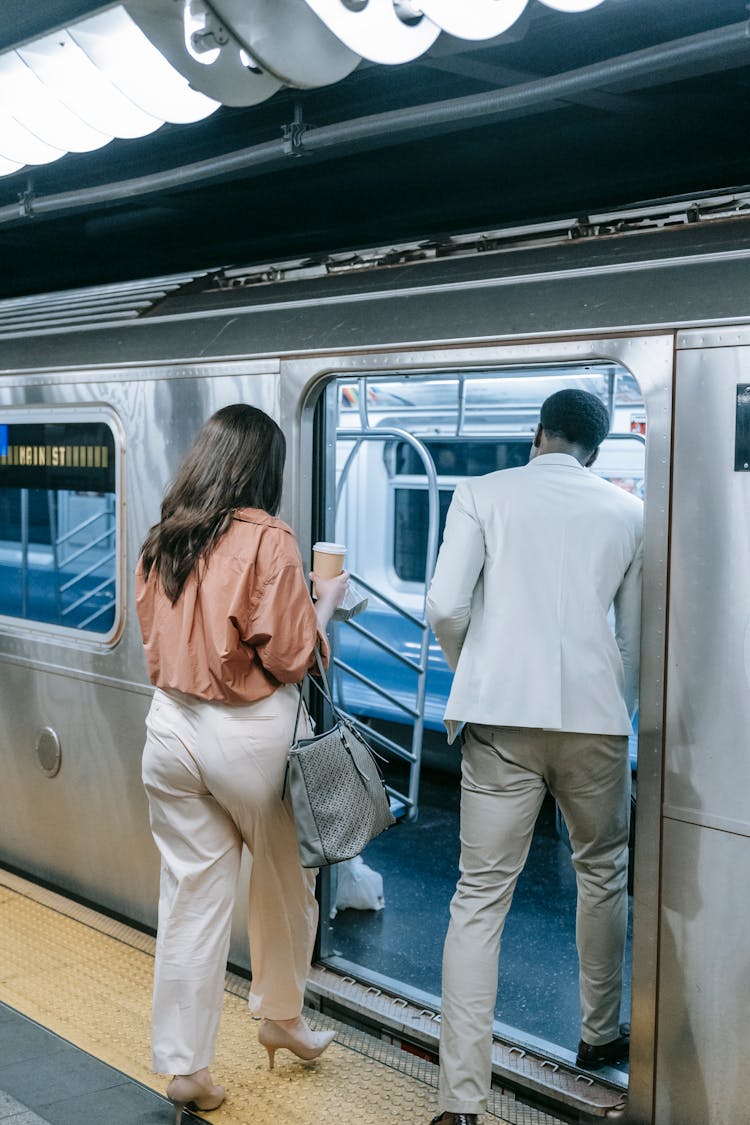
[58, 553]
[402, 443]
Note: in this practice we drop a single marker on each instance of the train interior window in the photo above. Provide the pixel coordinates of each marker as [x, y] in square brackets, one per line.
[403, 442]
[58, 524]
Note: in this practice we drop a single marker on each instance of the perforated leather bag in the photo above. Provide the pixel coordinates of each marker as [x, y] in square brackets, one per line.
[338, 795]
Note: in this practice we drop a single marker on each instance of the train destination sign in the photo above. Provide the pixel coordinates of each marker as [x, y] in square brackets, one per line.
[75, 456]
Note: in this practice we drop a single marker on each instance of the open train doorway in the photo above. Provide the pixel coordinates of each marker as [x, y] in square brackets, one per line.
[402, 442]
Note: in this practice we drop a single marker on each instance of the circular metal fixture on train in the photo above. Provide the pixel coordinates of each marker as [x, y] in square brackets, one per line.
[48, 752]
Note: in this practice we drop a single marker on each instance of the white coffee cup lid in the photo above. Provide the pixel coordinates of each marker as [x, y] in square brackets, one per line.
[330, 548]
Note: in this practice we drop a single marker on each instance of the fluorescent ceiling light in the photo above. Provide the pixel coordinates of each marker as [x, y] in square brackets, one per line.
[375, 31]
[38, 110]
[573, 5]
[288, 39]
[7, 167]
[121, 50]
[474, 19]
[129, 68]
[69, 73]
[17, 144]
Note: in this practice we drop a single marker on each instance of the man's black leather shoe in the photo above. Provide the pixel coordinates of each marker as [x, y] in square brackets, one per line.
[455, 1119]
[605, 1054]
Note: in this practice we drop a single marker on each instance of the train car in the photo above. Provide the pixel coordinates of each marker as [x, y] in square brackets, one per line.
[102, 390]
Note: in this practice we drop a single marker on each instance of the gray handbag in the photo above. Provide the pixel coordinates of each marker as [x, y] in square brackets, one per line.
[338, 795]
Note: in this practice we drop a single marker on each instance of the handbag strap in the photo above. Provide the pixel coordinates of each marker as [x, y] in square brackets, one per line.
[325, 691]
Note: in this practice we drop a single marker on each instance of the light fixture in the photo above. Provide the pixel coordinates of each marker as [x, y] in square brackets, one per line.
[374, 30]
[17, 144]
[69, 73]
[572, 5]
[288, 39]
[134, 65]
[8, 167]
[119, 48]
[474, 19]
[38, 110]
[190, 34]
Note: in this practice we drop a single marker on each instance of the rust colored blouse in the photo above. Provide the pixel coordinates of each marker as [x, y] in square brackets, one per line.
[246, 627]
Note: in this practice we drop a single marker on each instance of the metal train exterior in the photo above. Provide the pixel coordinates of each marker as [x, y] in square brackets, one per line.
[118, 380]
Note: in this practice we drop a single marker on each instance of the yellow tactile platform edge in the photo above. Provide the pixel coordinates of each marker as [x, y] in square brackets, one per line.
[95, 991]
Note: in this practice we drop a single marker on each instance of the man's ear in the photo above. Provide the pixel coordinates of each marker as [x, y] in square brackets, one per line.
[538, 436]
[592, 458]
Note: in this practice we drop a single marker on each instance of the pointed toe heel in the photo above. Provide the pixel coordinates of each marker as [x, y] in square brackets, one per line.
[186, 1092]
[301, 1040]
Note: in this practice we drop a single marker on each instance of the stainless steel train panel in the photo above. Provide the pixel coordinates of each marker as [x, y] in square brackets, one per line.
[704, 979]
[610, 286]
[708, 725]
[86, 827]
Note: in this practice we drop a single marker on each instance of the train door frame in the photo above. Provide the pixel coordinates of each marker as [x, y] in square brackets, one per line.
[649, 356]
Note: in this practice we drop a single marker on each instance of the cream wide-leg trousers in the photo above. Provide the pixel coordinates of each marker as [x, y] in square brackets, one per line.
[214, 776]
[506, 772]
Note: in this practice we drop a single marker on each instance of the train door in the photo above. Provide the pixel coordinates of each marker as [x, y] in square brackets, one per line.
[389, 445]
[704, 981]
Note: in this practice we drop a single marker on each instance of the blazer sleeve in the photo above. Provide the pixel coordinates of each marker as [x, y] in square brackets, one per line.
[627, 605]
[459, 565]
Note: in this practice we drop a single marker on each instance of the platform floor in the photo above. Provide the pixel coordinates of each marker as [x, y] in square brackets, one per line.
[75, 994]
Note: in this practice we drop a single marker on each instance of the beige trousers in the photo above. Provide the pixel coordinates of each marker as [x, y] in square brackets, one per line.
[214, 776]
[506, 772]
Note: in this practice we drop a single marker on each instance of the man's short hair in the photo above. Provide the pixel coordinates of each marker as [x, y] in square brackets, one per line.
[577, 416]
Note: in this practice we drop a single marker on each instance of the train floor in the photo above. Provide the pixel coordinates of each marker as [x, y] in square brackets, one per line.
[74, 1039]
[538, 980]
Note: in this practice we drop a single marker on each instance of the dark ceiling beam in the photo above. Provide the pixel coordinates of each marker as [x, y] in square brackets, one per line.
[704, 53]
[495, 75]
[20, 22]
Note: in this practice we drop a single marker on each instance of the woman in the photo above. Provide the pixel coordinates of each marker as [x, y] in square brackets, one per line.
[228, 628]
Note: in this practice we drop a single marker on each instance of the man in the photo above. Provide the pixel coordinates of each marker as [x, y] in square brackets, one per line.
[532, 560]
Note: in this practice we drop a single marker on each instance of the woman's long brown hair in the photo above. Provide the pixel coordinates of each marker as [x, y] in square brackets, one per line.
[236, 461]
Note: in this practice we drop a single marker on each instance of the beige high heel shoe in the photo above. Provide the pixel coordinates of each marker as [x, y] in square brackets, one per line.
[194, 1091]
[302, 1041]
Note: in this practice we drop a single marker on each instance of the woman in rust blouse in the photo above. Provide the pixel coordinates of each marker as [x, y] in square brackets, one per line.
[228, 628]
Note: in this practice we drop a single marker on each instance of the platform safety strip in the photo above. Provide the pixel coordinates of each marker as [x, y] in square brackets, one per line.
[94, 990]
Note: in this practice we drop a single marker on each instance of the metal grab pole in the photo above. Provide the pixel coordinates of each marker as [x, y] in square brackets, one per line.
[433, 514]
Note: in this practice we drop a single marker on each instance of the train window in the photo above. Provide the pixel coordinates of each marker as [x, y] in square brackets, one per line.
[452, 459]
[410, 530]
[58, 523]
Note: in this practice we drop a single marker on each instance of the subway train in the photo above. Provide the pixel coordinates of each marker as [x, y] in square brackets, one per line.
[394, 372]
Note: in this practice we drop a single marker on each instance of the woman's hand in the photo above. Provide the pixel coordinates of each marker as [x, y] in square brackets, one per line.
[330, 594]
[330, 590]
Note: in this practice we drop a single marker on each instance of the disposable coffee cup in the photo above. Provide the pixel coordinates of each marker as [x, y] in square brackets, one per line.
[328, 559]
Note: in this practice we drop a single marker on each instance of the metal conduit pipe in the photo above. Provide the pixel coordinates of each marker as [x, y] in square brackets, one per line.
[730, 44]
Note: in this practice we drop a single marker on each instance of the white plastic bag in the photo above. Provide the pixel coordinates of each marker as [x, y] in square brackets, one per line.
[358, 887]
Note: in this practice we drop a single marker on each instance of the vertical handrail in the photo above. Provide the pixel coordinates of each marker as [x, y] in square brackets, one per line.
[24, 552]
[52, 516]
[359, 437]
[107, 514]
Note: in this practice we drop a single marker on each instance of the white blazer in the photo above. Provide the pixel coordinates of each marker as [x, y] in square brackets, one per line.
[531, 563]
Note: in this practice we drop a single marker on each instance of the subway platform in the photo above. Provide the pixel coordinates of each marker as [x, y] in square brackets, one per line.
[75, 995]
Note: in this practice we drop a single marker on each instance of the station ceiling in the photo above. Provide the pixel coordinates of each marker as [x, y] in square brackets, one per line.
[672, 123]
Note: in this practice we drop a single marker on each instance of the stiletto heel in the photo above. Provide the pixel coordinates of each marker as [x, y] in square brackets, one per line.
[300, 1040]
[185, 1091]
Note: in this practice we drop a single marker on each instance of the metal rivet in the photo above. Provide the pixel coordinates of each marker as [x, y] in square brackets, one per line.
[48, 753]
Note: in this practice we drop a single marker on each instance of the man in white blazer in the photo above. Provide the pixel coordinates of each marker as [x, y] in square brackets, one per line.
[532, 561]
